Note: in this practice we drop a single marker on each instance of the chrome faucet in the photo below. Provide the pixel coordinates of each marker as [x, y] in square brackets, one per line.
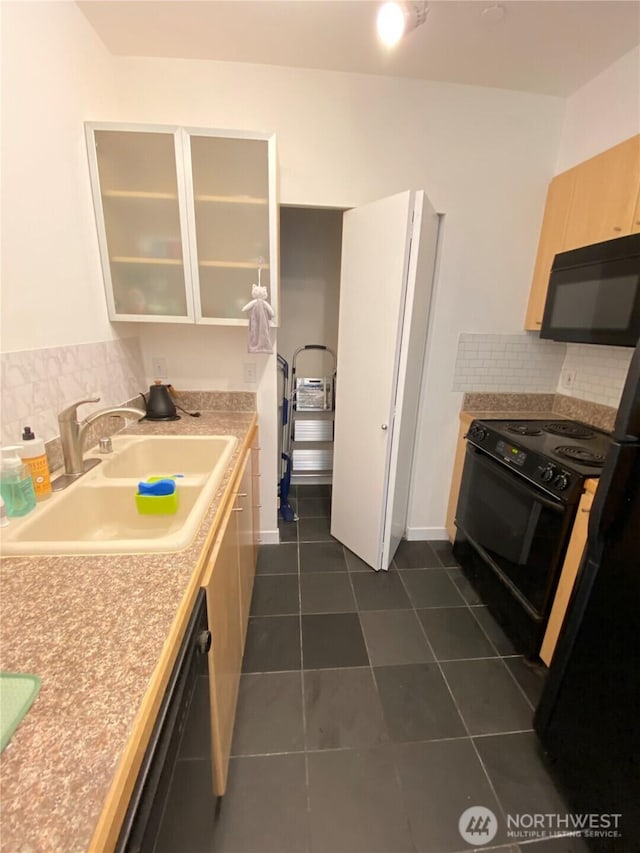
[72, 434]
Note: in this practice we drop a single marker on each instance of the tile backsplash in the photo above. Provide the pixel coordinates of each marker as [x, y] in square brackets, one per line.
[523, 363]
[37, 384]
[599, 373]
[517, 363]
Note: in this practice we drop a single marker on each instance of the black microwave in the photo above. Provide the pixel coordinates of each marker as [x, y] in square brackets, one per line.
[594, 294]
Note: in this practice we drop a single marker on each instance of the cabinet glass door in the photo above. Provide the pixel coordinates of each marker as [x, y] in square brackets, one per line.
[142, 241]
[231, 204]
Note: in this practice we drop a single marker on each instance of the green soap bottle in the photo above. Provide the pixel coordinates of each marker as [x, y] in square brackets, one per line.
[16, 485]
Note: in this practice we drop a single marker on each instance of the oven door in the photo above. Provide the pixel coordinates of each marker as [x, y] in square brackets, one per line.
[517, 529]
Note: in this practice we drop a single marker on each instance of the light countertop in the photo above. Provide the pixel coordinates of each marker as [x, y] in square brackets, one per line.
[510, 415]
[94, 629]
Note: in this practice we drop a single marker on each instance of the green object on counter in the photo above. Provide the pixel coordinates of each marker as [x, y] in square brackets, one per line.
[158, 504]
[17, 692]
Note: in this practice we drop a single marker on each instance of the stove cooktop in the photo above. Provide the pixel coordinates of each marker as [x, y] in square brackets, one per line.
[557, 455]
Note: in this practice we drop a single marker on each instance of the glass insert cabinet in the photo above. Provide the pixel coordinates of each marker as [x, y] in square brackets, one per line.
[187, 221]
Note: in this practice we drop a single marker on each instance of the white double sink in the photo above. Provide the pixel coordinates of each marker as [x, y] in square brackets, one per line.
[98, 513]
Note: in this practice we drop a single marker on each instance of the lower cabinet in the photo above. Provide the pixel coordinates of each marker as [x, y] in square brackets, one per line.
[246, 553]
[255, 481]
[222, 585]
[456, 474]
[572, 561]
[228, 583]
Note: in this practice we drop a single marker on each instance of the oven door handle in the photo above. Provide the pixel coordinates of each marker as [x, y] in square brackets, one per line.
[498, 468]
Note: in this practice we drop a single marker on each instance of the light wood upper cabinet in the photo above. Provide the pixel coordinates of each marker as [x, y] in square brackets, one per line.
[604, 196]
[552, 237]
[595, 201]
[185, 218]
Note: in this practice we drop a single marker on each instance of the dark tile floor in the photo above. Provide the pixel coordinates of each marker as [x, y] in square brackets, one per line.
[374, 709]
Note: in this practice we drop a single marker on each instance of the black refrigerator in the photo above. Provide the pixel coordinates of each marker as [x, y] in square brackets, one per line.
[588, 719]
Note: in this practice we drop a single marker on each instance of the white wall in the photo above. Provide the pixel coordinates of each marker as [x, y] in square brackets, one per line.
[484, 156]
[57, 343]
[602, 113]
[55, 73]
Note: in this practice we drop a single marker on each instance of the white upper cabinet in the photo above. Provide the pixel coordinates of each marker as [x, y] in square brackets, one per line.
[185, 219]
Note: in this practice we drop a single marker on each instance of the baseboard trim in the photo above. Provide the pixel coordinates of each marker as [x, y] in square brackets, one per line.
[272, 537]
[426, 533]
[269, 537]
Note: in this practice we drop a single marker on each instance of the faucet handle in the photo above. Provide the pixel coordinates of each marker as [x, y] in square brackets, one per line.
[70, 413]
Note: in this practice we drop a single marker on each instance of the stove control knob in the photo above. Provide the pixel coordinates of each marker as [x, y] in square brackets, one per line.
[478, 433]
[561, 482]
[547, 473]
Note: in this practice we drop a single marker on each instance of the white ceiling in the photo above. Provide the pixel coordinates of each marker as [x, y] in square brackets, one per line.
[546, 46]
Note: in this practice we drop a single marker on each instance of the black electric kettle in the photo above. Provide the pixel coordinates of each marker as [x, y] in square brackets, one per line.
[159, 404]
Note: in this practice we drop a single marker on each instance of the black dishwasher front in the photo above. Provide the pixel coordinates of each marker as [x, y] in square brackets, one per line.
[142, 820]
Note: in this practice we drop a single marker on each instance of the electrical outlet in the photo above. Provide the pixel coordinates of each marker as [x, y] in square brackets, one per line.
[159, 367]
[568, 378]
[250, 372]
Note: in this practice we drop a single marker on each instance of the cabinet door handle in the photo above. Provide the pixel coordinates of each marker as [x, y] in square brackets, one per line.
[238, 509]
[538, 322]
[241, 494]
[617, 228]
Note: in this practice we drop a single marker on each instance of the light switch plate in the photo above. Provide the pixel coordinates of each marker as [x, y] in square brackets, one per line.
[568, 378]
[250, 372]
[159, 367]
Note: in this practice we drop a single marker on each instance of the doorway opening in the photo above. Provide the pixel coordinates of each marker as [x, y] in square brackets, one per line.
[373, 280]
[310, 258]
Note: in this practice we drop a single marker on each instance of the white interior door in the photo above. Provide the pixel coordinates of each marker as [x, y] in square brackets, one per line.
[377, 346]
[419, 286]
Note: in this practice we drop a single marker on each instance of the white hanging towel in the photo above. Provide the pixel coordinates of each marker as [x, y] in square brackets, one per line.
[260, 313]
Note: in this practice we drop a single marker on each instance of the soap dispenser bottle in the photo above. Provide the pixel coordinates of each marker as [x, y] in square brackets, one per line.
[35, 458]
[16, 486]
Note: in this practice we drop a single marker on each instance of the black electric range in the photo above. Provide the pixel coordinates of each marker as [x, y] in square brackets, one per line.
[521, 484]
[556, 456]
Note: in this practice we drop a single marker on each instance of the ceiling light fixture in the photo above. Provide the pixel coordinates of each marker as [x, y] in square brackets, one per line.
[396, 19]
